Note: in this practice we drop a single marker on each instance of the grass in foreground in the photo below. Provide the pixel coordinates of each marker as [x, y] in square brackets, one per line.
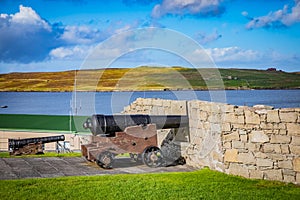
[46, 154]
[202, 184]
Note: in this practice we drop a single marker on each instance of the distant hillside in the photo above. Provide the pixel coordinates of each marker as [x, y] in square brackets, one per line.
[149, 78]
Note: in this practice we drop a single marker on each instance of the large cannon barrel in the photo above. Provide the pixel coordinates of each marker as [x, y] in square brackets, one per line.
[109, 124]
[19, 143]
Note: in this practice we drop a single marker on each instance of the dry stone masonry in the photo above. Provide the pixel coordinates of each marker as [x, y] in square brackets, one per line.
[254, 142]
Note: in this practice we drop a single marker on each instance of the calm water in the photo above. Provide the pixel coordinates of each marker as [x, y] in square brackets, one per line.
[87, 103]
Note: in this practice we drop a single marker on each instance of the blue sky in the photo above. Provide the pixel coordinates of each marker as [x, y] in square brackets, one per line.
[57, 35]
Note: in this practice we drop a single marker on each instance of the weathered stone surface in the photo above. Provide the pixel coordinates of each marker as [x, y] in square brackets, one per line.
[227, 145]
[231, 155]
[251, 117]
[238, 144]
[226, 127]
[298, 177]
[285, 149]
[282, 132]
[296, 164]
[261, 155]
[203, 115]
[273, 116]
[266, 126]
[295, 149]
[288, 116]
[295, 140]
[264, 162]
[178, 107]
[231, 136]
[238, 170]
[293, 129]
[289, 179]
[246, 158]
[259, 137]
[271, 148]
[244, 138]
[256, 174]
[250, 146]
[286, 164]
[232, 118]
[275, 174]
[280, 139]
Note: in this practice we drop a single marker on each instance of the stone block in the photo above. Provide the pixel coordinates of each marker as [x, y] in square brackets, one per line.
[244, 138]
[266, 126]
[280, 139]
[251, 117]
[273, 116]
[288, 172]
[296, 164]
[261, 155]
[231, 155]
[258, 137]
[271, 148]
[250, 146]
[298, 178]
[229, 108]
[231, 137]
[277, 156]
[286, 164]
[238, 170]
[246, 158]
[295, 140]
[227, 145]
[289, 179]
[226, 127]
[239, 110]
[256, 174]
[242, 132]
[293, 129]
[275, 174]
[285, 149]
[232, 118]
[262, 162]
[288, 116]
[238, 144]
[295, 150]
[282, 132]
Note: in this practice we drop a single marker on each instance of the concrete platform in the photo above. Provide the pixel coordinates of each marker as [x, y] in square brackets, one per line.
[19, 168]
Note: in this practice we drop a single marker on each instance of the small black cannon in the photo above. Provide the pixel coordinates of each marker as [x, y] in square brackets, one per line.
[31, 145]
[133, 134]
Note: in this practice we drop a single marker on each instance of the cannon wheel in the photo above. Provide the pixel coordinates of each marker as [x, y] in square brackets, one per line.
[152, 156]
[135, 157]
[105, 160]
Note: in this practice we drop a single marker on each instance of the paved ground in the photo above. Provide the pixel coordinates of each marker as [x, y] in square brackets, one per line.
[18, 168]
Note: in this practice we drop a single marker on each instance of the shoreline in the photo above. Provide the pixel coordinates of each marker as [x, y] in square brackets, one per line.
[154, 90]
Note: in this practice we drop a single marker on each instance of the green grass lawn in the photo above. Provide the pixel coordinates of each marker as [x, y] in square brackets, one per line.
[202, 184]
[46, 154]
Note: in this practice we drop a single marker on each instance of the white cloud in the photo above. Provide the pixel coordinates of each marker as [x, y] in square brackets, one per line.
[75, 52]
[28, 16]
[233, 54]
[188, 7]
[280, 18]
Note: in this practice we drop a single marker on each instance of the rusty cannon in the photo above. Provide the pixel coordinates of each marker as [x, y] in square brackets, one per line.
[133, 134]
[31, 145]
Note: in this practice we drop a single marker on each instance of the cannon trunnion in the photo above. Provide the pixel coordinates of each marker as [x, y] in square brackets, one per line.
[31, 145]
[133, 134]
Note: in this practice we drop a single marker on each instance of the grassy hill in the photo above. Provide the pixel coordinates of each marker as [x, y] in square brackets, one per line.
[149, 78]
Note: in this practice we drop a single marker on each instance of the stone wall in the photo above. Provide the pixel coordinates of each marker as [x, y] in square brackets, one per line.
[254, 142]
